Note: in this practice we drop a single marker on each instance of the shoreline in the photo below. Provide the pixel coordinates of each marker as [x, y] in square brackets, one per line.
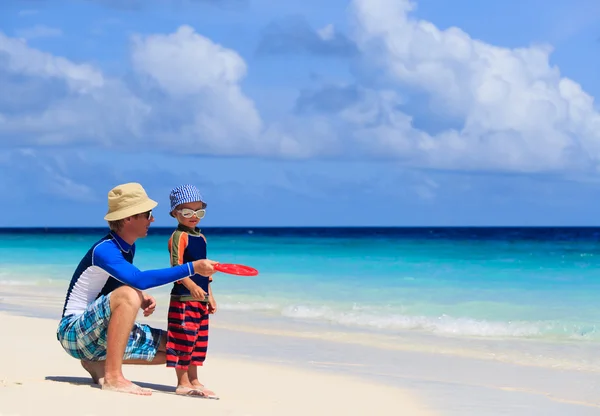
[544, 354]
[445, 383]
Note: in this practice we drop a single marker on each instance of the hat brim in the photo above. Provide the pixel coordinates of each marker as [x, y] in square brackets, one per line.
[120, 214]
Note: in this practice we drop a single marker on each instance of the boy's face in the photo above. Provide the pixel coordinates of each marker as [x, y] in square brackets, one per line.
[193, 220]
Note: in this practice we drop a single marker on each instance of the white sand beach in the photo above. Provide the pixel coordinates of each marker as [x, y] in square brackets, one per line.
[269, 372]
[37, 377]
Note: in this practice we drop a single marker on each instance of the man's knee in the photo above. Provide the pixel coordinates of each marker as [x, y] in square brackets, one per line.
[126, 295]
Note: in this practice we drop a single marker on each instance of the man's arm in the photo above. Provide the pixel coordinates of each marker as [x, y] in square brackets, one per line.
[108, 257]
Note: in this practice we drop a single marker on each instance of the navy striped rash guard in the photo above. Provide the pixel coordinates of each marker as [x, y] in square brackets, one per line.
[185, 245]
[107, 265]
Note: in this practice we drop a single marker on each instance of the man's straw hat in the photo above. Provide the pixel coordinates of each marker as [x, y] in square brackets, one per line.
[126, 200]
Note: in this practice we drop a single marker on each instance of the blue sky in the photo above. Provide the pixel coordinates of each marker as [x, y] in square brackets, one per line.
[362, 112]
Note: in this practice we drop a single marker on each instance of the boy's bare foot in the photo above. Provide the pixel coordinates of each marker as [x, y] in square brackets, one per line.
[96, 370]
[125, 386]
[189, 391]
[196, 385]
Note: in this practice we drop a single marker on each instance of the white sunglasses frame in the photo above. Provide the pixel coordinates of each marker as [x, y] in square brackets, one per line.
[193, 212]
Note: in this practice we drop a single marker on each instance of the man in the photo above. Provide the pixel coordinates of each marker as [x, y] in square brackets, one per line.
[98, 323]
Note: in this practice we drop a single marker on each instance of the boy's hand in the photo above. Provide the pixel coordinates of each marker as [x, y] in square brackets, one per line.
[212, 304]
[197, 292]
[148, 304]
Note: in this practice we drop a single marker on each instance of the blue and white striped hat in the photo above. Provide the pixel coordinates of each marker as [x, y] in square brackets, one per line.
[184, 194]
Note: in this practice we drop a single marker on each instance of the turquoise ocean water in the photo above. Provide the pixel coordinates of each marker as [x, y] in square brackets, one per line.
[487, 284]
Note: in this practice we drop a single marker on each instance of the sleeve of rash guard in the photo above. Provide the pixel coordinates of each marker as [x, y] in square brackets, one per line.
[109, 258]
[177, 247]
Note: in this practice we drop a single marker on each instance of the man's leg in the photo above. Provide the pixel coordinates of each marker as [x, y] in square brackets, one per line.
[96, 368]
[125, 303]
[159, 358]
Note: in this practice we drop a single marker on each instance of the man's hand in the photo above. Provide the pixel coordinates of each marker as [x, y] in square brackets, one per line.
[197, 292]
[212, 304]
[204, 267]
[148, 304]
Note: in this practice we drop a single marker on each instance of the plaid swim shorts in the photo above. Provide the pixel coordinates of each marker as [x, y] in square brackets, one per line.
[84, 336]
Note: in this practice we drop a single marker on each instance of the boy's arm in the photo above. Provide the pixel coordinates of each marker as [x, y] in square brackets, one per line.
[210, 279]
[188, 283]
[212, 303]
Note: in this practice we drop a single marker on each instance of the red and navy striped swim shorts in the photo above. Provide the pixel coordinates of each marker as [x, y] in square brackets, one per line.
[187, 333]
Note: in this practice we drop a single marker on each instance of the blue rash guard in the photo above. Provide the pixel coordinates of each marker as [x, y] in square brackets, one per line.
[185, 245]
[107, 265]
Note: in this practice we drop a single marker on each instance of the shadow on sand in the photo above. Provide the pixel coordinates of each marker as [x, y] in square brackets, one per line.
[86, 381]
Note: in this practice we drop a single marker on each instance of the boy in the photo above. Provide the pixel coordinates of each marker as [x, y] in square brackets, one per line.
[191, 298]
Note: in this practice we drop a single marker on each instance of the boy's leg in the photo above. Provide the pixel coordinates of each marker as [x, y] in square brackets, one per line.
[195, 383]
[199, 354]
[201, 344]
[181, 333]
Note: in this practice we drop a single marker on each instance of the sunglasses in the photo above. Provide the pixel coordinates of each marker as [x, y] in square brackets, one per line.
[189, 213]
[147, 215]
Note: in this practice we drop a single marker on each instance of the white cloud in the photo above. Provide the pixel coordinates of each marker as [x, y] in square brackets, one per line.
[202, 109]
[186, 63]
[21, 59]
[518, 112]
[196, 72]
[510, 108]
[69, 102]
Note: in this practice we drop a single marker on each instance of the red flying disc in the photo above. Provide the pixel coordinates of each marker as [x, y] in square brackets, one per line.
[238, 269]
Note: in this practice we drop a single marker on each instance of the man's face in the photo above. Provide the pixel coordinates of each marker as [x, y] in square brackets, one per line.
[140, 223]
[187, 214]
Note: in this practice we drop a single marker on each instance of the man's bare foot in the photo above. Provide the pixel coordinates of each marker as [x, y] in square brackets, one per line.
[126, 386]
[96, 370]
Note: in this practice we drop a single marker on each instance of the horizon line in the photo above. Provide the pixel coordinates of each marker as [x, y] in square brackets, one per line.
[50, 227]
